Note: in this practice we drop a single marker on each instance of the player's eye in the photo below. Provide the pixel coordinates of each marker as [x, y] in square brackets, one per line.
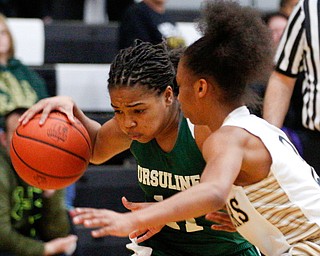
[138, 111]
[118, 111]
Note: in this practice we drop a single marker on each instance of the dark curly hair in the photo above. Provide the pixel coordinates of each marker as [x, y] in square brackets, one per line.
[143, 64]
[235, 50]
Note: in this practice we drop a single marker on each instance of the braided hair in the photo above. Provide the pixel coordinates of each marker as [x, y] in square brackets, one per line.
[143, 64]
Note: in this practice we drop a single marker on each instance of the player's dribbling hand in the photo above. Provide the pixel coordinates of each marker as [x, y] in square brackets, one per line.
[222, 220]
[63, 104]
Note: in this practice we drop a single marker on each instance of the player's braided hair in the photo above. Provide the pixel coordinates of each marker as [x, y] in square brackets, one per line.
[142, 64]
[235, 50]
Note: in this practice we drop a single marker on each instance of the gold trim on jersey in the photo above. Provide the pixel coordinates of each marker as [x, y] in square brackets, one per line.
[271, 201]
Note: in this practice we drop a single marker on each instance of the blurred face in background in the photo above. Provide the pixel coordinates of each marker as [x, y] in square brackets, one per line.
[277, 25]
[5, 41]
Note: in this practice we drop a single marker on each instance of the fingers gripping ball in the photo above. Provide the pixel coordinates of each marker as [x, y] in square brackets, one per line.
[51, 156]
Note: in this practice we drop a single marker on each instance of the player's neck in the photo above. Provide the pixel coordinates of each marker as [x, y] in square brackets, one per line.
[168, 136]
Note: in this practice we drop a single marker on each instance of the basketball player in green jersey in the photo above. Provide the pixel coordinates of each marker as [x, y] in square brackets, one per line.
[167, 148]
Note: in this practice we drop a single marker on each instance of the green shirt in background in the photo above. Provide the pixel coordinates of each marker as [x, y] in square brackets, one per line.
[19, 87]
[27, 219]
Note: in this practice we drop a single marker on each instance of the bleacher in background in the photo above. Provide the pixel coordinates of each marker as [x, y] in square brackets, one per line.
[103, 187]
[76, 42]
[75, 57]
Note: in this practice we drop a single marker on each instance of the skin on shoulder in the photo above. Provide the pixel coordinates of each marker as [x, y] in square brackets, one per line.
[248, 159]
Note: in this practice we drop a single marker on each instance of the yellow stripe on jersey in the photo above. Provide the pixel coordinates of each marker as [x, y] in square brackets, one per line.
[270, 200]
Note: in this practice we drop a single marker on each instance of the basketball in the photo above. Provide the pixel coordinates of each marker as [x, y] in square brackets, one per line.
[51, 156]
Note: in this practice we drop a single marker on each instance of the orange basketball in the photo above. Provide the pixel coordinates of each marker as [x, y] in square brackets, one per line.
[51, 156]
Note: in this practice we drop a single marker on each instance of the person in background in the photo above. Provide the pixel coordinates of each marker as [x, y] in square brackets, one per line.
[19, 85]
[7, 8]
[39, 9]
[287, 6]
[149, 22]
[33, 222]
[297, 58]
[276, 22]
[116, 9]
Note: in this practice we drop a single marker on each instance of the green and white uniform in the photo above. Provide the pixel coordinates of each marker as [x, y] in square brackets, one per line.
[161, 175]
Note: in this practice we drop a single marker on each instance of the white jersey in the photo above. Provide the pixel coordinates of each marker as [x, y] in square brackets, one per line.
[280, 214]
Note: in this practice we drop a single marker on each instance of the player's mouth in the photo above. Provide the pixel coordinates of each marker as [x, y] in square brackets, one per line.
[134, 136]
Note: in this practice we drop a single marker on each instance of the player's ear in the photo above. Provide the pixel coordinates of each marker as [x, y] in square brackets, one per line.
[201, 87]
[169, 95]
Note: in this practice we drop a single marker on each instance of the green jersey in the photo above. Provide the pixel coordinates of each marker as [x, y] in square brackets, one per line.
[19, 87]
[161, 175]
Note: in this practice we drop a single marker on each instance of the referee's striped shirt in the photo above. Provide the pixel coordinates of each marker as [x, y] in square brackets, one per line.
[299, 51]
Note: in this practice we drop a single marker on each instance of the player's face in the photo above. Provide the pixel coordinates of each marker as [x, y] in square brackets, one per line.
[186, 95]
[141, 114]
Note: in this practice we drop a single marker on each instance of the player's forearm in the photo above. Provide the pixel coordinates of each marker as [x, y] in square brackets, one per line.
[91, 125]
[193, 202]
[277, 98]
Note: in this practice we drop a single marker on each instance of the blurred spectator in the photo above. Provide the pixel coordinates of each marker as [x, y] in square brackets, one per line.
[149, 22]
[32, 221]
[95, 12]
[19, 86]
[276, 22]
[7, 8]
[298, 60]
[67, 9]
[41, 9]
[117, 8]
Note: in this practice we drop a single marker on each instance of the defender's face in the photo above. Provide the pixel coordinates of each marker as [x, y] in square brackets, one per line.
[187, 97]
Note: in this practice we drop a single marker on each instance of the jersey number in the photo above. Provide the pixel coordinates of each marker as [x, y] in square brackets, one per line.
[190, 224]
